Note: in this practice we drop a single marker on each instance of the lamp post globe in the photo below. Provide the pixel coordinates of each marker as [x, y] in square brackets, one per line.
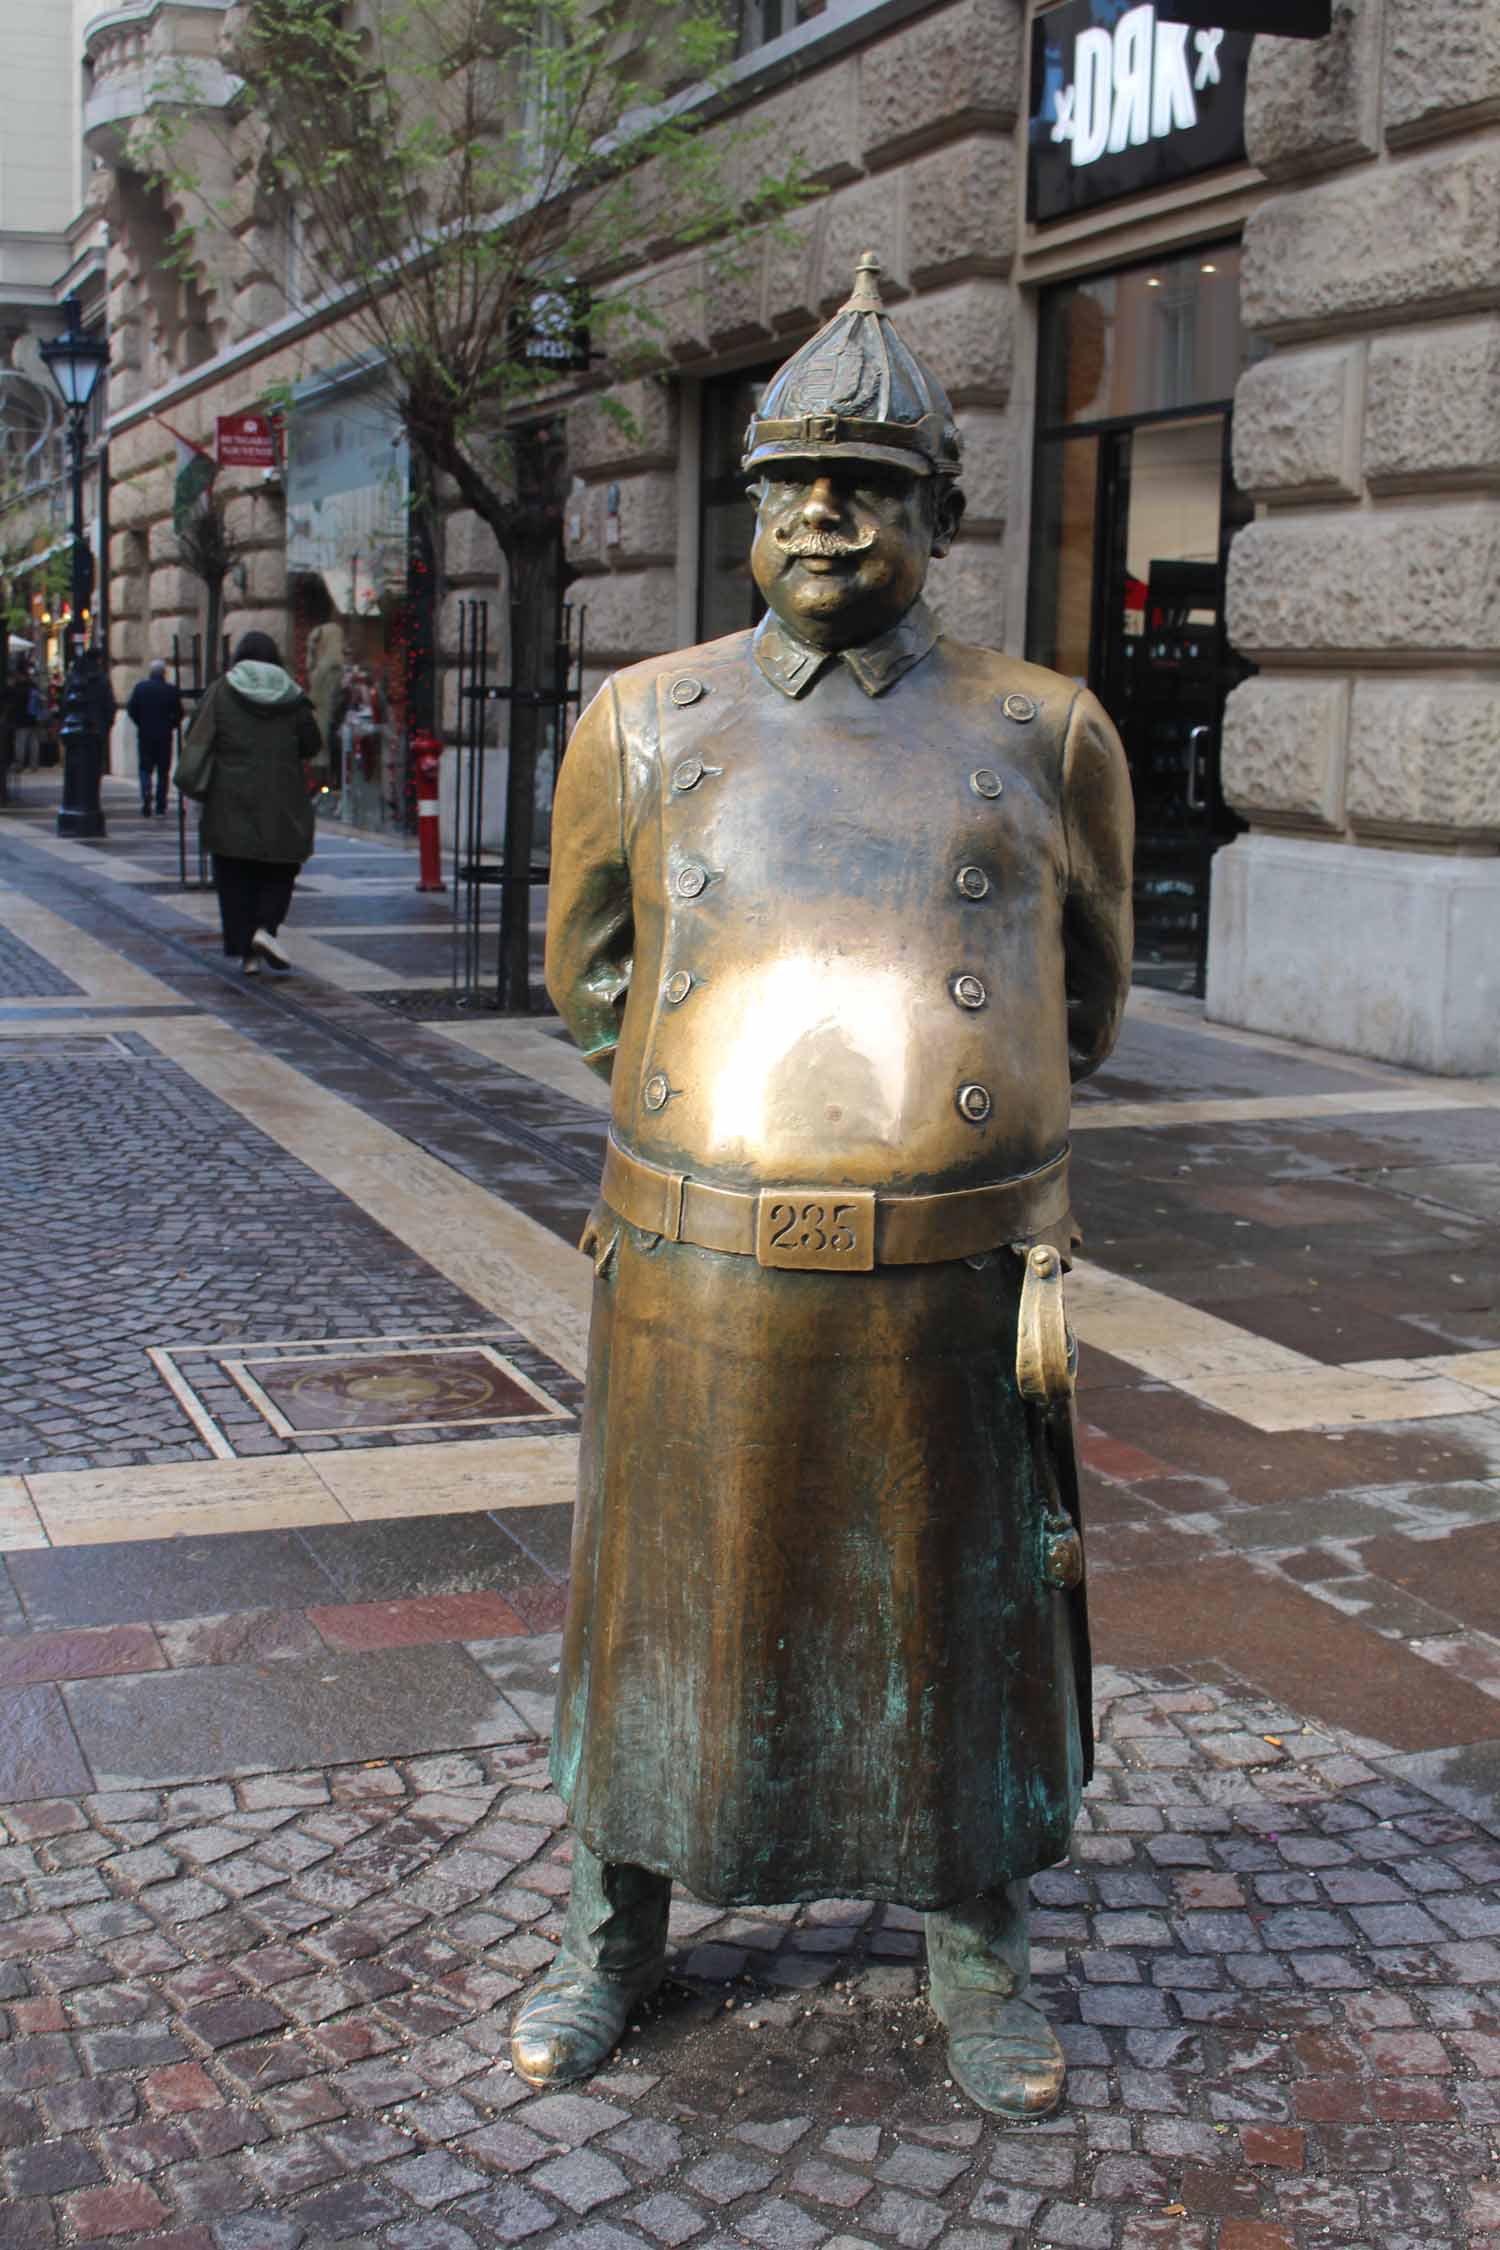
[75, 361]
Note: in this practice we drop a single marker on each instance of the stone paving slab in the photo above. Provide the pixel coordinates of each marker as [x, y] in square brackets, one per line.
[273, 2013]
[318, 1567]
[198, 1725]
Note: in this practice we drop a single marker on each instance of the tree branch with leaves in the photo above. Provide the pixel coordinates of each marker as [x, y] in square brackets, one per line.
[454, 162]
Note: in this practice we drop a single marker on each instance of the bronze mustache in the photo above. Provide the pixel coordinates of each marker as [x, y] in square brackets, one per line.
[826, 545]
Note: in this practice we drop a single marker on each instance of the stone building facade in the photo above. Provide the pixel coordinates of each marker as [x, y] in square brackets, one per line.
[1230, 412]
[1363, 908]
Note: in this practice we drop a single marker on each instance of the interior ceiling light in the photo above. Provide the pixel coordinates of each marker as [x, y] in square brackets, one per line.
[1208, 267]
[1153, 283]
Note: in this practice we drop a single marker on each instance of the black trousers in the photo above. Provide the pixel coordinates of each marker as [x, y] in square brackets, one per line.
[155, 761]
[254, 894]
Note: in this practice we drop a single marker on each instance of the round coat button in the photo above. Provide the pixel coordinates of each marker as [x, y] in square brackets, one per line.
[972, 881]
[974, 1103]
[985, 782]
[1019, 707]
[688, 774]
[655, 1092]
[678, 985]
[685, 691]
[691, 881]
[969, 992]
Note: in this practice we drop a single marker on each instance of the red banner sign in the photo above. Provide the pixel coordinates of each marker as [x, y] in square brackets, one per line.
[247, 441]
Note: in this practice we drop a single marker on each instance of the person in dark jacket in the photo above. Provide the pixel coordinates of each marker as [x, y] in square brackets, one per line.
[28, 708]
[155, 707]
[253, 756]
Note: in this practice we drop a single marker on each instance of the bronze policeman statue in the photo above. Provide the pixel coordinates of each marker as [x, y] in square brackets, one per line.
[839, 906]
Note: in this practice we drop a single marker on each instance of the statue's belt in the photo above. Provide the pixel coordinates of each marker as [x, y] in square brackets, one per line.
[835, 1229]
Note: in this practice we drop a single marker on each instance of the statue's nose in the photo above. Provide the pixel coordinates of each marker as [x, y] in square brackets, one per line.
[821, 507]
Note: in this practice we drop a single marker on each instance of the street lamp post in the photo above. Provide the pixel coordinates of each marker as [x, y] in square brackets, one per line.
[75, 362]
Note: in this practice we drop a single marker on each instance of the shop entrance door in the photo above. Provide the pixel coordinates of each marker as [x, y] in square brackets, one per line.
[1163, 668]
[1133, 514]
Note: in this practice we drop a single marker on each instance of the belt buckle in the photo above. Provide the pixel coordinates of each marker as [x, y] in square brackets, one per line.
[816, 1230]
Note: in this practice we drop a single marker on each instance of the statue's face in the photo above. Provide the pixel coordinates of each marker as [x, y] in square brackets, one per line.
[841, 548]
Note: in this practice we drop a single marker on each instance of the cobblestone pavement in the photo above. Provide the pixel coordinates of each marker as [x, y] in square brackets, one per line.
[273, 2012]
[277, 1846]
[26, 974]
[203, 1225]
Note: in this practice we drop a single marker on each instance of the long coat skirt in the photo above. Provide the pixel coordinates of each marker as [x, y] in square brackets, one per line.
[810, 1648]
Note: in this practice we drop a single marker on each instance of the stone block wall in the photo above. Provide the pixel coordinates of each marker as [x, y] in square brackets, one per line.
[1367, 591]
[912, 142]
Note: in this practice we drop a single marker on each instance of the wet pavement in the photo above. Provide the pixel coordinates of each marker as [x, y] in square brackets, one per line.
[288, 1416]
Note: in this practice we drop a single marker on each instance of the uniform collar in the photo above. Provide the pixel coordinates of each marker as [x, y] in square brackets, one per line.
[792, 666]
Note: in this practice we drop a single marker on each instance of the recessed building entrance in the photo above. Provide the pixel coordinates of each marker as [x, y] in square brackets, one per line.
[1133, 508]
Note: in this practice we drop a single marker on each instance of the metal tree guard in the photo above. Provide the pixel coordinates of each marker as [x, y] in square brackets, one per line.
[516, 872]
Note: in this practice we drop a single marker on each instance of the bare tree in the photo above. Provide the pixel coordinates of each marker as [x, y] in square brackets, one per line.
[468, 179]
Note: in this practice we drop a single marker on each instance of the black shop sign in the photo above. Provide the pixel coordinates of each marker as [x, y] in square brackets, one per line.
[1124, 100]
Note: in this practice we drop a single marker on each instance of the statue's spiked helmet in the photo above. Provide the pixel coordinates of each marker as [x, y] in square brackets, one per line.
[855, 392]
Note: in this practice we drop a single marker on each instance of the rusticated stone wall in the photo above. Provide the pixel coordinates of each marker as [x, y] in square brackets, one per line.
[1368, 589]
[912, 141]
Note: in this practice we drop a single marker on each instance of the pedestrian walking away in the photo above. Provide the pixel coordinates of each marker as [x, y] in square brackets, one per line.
[155, 708]
[28, 714]
[253, 757]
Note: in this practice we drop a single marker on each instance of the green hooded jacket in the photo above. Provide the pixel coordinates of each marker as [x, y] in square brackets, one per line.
[248, 756]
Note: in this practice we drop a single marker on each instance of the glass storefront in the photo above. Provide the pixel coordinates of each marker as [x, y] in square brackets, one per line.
[348, 485]
[1133, 507]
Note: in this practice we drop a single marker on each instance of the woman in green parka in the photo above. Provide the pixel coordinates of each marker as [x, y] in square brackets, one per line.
[254, 757]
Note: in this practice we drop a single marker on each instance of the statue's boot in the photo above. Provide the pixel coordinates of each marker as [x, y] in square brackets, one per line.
[1001, 2049]
[614, 1949]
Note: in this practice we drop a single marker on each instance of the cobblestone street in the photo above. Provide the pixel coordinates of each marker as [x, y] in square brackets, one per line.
[288, 1429]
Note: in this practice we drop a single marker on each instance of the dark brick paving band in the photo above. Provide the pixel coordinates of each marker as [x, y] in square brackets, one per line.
[273, 2012]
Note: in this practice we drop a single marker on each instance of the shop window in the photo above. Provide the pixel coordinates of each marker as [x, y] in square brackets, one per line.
[728, 597]
[1133, 508]
[347, 486]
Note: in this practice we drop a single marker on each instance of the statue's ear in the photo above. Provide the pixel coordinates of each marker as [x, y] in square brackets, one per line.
[948, 515]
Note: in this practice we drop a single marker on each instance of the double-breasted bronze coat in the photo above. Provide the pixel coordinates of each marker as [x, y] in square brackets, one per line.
[845, 922]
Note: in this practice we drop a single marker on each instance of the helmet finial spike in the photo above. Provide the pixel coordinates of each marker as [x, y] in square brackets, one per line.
[865, 295]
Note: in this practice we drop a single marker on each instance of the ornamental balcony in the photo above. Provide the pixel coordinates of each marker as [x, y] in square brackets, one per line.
[146, 55]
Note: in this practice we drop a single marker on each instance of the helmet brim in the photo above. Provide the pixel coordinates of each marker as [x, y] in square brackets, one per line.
[814, 456]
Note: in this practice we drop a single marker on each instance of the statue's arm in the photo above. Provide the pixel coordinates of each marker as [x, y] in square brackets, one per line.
[1098, 930]
[590, 925]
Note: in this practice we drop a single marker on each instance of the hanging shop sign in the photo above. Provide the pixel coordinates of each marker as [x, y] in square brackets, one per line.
[247, 441]
[551, 329]
[1123, 100]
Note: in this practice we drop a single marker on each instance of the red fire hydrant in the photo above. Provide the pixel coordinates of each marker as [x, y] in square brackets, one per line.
[427, 758]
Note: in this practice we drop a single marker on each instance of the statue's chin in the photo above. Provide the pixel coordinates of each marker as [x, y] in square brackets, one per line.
[832, 613]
